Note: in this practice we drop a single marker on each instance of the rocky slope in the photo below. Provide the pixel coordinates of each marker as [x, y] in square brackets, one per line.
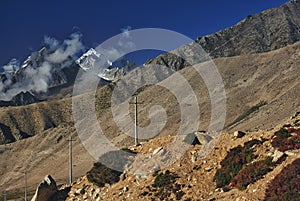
[194, 178]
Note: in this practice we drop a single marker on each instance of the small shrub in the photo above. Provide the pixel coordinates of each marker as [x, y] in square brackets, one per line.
[286, 185]
[101, 175]
[163, 180]
[252, 173]
[164, 185]
[233, 163]
[284, 140]
[279, 137]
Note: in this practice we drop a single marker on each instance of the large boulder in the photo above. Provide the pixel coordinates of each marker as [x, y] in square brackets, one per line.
[239, 134]
[45, 190]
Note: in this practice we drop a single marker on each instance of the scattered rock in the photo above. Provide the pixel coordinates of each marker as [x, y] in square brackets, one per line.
[295, 115]
[125, 189]
[157, 150]
[277, 155]
[80, 191]
[289, 153]
[193, 159]
[193, 152]
[208, 169]
[123, 177]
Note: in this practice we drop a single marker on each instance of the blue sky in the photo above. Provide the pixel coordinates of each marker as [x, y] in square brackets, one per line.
[25, 23]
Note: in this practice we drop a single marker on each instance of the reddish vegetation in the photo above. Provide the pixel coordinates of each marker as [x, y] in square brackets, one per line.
[286, 185]
[233, 163]
[287, 139]
[251, 173]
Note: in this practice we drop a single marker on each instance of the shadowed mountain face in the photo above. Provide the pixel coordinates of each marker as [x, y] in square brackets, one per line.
[270, 30]
[266, 31]
[23, 98]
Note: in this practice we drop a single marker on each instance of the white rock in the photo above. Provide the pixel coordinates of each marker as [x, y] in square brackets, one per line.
[193, 159]
[277, 155]
[125, 189]
[157, 150]
[239, 134]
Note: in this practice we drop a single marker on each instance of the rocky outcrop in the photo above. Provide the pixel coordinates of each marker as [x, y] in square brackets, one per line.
[270, 30]
[45, 190]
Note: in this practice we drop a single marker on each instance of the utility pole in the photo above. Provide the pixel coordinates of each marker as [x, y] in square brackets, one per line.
[136, 141]
[4, 195]
[25, 188]
[70, 159]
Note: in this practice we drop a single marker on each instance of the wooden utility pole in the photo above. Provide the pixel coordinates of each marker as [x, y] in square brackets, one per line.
[136, 141]
[70, 160]
[4, 195]
[25, 188]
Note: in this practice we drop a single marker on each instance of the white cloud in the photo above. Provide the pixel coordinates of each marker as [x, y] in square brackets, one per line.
[124, 45]
[69, 48]
[13, 65]
[51, 42]
[125, 31]
[37, 78]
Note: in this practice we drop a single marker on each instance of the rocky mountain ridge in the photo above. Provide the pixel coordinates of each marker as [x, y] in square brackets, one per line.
[266, 31]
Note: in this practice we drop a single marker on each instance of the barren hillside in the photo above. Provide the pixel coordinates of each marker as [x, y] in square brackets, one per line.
[261, 89]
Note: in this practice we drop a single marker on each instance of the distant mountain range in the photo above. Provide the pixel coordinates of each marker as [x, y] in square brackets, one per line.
[20, 88]
[272, 29]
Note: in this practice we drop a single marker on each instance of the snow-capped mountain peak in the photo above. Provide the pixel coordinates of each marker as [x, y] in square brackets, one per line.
[92, 59]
